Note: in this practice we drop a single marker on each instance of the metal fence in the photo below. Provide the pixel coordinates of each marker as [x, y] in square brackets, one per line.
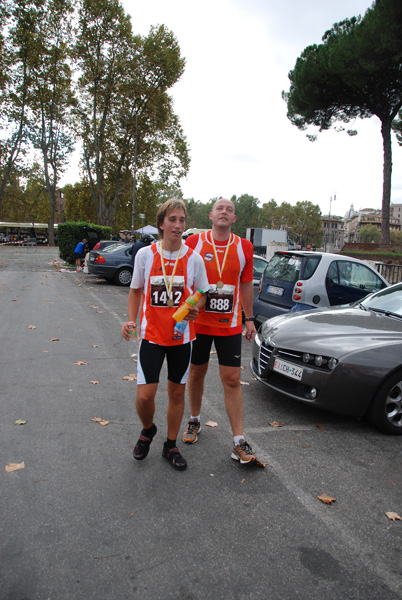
[392, 273]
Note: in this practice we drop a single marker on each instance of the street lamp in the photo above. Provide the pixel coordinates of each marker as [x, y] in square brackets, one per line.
[123, 131]
[134, 176]
[333, 197]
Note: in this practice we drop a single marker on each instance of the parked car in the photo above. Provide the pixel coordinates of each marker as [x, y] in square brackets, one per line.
[113, 263]
[345, 359]
[301, 280]
[259, 264]
[90, 234]
[104, 243]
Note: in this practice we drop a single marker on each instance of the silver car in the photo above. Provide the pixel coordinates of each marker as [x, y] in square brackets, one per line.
[347, 359]
[301, 280]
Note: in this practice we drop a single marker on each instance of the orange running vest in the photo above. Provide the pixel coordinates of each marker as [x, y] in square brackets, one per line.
[157, 321]
[223, 307]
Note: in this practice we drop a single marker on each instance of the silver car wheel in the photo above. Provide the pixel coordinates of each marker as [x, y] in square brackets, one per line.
[124, 276]
[393, 405]
[385, 411]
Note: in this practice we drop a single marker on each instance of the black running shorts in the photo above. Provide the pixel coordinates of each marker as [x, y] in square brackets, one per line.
[228, 349]
[151, 357]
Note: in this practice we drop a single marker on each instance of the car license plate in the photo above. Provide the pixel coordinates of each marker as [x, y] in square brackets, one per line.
[288, 369]
[273, 289]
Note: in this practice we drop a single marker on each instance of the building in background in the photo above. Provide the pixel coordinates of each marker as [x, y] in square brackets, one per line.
[355, 220]
[334, 233]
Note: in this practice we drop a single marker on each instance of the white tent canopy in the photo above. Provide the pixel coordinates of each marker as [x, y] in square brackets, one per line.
[147, 229]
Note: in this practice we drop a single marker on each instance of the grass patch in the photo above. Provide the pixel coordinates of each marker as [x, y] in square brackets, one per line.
[385, 254]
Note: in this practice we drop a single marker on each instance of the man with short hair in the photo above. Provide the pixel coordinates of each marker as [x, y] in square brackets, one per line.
[145, 240]
[229, 263]
[79, 254]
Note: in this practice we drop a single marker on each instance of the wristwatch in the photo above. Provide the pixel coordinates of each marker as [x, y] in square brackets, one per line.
[249, 319]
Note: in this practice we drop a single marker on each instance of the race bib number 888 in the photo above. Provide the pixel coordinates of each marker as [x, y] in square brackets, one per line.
[219, 304]
[220, 301]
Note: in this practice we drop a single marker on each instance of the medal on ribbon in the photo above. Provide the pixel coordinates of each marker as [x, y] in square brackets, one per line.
[169, 286]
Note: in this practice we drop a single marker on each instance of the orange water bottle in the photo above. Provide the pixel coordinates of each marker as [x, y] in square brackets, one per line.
[183, 310]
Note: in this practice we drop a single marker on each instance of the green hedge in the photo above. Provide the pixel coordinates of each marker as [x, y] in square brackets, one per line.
[69, 234]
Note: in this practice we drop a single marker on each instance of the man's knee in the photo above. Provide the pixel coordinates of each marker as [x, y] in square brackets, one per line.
[230, 377]
[198, 372]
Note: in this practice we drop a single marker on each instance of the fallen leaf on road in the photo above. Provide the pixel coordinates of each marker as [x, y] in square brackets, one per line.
[95, 346]
[274, 424]
[242, 481]
[80, 362]
[326, 499]
[393, 516]
[320, 426]
[254, 379]
[14, 300]
[94, 382]
[20, 422]
[100, 421]
[211, 424]
[244, 383]
[31, 326]
[55, 340]
[11, 467]
[129, 378]
[213, 352]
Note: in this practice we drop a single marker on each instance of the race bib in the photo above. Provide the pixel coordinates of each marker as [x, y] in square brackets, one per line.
[220, 301]
[159, 295]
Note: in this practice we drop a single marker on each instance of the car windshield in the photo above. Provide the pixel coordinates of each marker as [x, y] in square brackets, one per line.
[287, 267]
[388, 300]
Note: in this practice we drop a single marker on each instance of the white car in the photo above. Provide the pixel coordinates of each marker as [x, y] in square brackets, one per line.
[301, 280]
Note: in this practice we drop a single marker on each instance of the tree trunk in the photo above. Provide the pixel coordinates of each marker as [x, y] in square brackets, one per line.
[386, 185]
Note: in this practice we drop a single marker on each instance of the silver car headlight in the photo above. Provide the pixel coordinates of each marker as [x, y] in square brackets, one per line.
[266, 329]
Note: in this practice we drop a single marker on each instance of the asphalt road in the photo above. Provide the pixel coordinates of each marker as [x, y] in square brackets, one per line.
[83, 520]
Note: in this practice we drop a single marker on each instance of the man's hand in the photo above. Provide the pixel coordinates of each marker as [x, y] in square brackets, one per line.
[125, 329]
[250, 330]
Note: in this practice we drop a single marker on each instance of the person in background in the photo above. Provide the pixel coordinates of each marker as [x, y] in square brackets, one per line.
[79, 253]
[165, 274]
[229, 264]
[145, 240]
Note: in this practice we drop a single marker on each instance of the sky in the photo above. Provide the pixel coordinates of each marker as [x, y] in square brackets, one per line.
[238, 55]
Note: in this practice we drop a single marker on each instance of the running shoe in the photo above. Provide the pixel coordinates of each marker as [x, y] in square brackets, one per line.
[173, 455]
[141, 448]
[244, 453]
[190, 436]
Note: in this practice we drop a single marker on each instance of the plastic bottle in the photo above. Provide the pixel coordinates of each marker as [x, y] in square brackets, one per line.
[183, 310]
[133, 340]
[179, 328]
